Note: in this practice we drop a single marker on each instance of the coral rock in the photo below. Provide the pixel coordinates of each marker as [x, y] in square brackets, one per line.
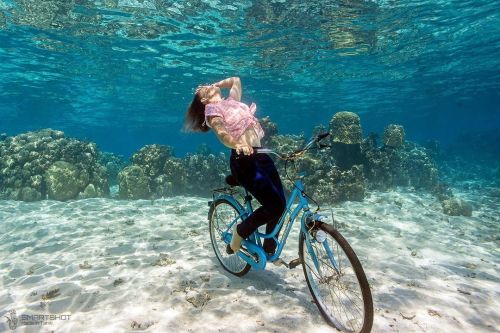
[151, 159]
[28, 194]
[26, 159]
[89, 192]
[114, 164]
[61, 181]
[270, 129]
[345, 127]
[456, 207]
[134, 184]
[394, 135]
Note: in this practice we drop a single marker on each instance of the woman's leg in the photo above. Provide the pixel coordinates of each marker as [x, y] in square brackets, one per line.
[258, 174]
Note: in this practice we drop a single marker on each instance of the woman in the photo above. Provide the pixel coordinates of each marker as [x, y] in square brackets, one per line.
[236, 127]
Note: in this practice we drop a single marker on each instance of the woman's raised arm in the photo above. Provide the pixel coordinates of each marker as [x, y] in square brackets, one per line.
[234, 84]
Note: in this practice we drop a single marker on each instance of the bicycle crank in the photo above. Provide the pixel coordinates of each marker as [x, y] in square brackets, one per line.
[291, 265]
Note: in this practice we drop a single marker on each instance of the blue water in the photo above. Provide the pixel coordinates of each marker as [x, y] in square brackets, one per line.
[122, 72]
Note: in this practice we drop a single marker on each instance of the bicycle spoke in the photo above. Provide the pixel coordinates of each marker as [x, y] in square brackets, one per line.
[345, 312]
[222, 216]
[339, 307]
[336, 274]
[334, 284]
[340, 289]
[322, 279]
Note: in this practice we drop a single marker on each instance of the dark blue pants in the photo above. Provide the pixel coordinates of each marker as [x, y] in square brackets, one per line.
[258, 175]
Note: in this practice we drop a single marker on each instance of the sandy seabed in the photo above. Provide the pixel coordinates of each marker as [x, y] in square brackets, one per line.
[104, 265]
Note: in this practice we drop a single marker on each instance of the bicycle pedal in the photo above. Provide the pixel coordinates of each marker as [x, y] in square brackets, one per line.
[294, 263]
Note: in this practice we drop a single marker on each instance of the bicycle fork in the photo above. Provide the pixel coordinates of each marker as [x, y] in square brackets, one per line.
[318, 236]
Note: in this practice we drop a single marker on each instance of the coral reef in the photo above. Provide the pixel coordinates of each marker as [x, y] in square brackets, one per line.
[270, 129]
[456, 207]
[346, 155]
[346, 136]
[348, 169]
[336, 185]
[63, 181]
[156, 173]
[174, 180]
[379, 163]
[479, 174]
[325, 181]
[345, 127]
[394, 135]
[46, 164]
[152, 158]
[114, 164]
[203, 173]
[418, 167]
[286, 143]
[407, 165]
[134, 184]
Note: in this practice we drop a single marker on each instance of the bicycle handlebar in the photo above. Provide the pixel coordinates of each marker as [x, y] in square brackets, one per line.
[296, 153]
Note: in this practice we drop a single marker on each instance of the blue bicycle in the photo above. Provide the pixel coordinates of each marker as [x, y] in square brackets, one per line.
[332, 270]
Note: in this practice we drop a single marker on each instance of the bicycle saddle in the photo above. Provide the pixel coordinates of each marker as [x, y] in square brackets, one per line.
[232, 181]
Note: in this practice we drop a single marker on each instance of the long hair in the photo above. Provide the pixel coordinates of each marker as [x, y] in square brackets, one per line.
[194, 120]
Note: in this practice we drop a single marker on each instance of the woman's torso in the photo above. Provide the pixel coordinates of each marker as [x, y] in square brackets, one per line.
[238, 119]
[251, 137]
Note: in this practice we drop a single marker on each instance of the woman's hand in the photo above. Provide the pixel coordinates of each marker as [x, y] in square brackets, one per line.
[244, 148]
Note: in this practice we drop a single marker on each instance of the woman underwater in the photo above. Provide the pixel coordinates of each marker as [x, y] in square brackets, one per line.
[236, 127]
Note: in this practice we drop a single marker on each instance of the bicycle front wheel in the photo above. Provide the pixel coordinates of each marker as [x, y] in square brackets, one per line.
[220, 216]
[336, 279]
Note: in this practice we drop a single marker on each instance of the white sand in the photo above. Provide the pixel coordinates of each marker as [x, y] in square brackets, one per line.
[429, 272]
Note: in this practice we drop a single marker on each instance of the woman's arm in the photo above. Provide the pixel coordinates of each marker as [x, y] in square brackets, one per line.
[234, 84]
[227, 139]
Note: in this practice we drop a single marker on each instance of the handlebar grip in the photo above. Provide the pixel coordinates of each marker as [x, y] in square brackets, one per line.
[263, 150]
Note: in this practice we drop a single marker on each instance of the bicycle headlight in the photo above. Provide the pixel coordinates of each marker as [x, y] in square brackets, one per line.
[320, 236]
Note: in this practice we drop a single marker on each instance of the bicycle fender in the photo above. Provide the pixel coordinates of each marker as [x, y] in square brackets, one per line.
[232, 200]
[303, 221]
[228, 198]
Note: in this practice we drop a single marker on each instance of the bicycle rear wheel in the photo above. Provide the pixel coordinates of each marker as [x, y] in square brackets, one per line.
[336, 279]
[220, 216]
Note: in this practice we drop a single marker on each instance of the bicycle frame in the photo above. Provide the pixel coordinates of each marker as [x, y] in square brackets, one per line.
[255, 254]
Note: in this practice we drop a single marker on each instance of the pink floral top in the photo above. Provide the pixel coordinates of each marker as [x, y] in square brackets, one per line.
[237, 116]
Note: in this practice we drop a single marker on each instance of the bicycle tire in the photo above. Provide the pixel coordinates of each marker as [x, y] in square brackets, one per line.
[338, 283]
[220, 215]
